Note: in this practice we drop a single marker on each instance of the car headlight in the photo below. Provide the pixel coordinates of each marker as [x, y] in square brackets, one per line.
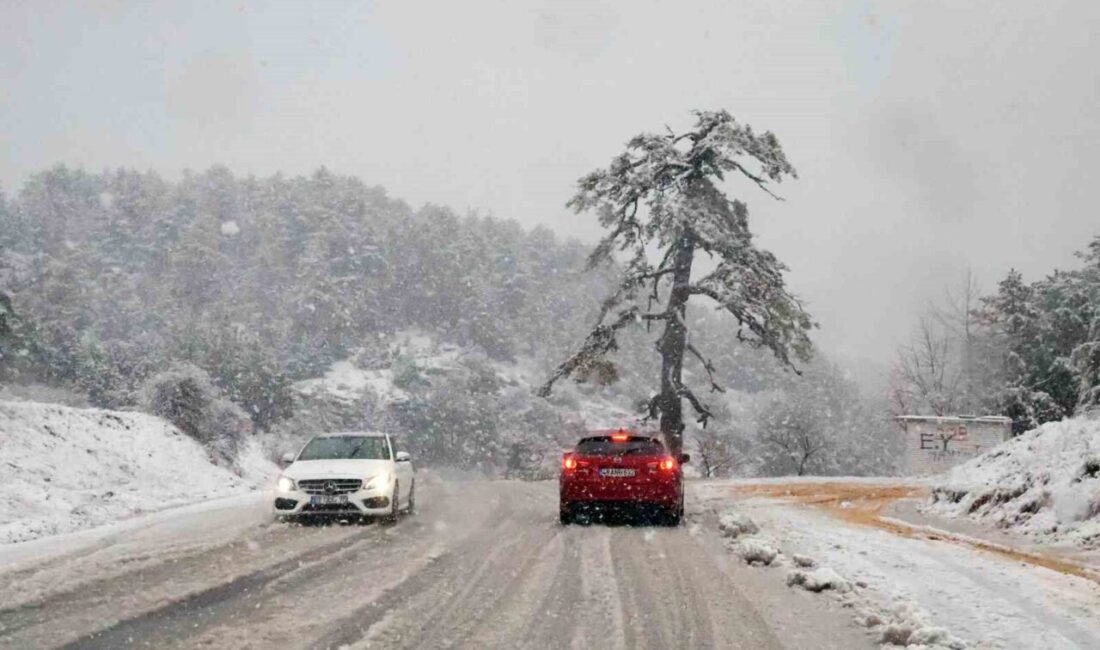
[375, 482]
[286, 484]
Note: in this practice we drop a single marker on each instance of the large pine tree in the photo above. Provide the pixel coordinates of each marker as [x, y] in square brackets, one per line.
[662, 194]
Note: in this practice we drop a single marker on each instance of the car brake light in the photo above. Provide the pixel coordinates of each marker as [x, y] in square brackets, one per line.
[569, 462]
[668, 463]
[620, 437]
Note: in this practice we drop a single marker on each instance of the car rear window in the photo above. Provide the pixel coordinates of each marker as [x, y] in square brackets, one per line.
[608, 447]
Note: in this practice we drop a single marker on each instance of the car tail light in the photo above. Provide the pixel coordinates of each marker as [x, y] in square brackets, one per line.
[568, 463]
[667, 464]
[620, 437]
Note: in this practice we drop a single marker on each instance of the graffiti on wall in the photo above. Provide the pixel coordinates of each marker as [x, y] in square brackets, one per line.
[941, 440]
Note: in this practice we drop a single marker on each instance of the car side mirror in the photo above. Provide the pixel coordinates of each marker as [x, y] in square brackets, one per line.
[287, 459]
[403, 457]
[685, 459]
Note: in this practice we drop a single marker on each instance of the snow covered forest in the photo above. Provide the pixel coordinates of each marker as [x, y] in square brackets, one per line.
[212, 299]
[1029, 351]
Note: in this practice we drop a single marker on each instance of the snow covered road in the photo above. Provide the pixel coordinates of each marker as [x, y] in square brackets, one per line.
[483, 565]
[486, 565]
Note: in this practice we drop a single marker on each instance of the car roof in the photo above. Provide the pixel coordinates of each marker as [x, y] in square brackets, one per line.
[600, 435]
[604, 433]
[350, 434]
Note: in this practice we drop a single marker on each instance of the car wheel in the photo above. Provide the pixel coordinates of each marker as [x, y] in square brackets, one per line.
[565, 515]
[394, 505]
[410, 509]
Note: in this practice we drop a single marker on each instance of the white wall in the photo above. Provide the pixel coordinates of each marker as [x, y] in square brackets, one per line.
[935, 444]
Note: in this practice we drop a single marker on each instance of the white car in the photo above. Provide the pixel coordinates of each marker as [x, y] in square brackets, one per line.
[346, 474]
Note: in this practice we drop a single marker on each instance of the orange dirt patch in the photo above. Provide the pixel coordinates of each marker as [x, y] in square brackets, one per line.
[862, 504]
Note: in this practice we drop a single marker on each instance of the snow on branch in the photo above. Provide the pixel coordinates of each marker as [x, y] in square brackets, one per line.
[600, 341]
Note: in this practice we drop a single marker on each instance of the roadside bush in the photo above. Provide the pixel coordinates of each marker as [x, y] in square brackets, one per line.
[185, 396]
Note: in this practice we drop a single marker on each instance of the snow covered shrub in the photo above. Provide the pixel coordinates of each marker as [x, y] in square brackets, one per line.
[185, 396]
[228, 425]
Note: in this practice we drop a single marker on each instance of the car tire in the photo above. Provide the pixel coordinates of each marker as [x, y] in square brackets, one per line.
[565, 515]
[410, 508]
[395, 506]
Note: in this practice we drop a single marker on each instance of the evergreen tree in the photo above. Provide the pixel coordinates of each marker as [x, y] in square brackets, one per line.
[662, 193]
[1086, 361]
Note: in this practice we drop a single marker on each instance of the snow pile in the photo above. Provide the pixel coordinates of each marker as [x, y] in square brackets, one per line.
[65, 468]
[803, 561]
[907, 626]
[818, 580]
[754, 551]
[1045, 483]
[733, 524]
[882, 579]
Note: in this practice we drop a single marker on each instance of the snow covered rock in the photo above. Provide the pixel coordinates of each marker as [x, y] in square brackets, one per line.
[1044, 483]
[818, 580]
[734, 524]
[753, 551]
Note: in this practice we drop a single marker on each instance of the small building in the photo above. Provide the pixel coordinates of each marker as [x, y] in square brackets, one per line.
[934, 444]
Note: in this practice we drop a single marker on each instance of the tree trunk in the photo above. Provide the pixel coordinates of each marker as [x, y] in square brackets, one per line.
[672, 344]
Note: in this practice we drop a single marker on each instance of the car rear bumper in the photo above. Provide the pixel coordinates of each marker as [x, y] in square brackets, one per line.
[664, 494]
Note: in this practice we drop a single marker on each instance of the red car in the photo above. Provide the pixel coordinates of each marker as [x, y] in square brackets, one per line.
[615, 471]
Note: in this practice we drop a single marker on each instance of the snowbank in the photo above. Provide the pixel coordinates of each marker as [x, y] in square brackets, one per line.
[1045, 483]
[63, 468]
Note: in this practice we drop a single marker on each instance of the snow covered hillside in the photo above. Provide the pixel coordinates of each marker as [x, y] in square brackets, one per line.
[453, 406]
[1045, 483]
[67, 468]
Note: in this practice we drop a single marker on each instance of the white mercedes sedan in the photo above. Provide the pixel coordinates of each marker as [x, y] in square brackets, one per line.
[342, 475]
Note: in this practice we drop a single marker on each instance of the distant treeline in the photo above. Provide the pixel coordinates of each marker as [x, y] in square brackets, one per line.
[1030, 351]
[260, 282]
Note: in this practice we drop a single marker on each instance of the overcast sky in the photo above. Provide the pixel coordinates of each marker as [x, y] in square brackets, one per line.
[928, 136]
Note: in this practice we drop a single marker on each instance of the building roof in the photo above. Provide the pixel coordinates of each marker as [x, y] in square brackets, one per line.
[997, 419]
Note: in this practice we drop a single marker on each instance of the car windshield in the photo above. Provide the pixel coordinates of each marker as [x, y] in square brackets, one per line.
[607, 447]
[346, 447]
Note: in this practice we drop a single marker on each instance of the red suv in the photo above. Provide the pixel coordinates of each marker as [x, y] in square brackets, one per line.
[619, 470]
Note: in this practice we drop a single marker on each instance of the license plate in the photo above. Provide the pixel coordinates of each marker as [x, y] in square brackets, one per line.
[616, 472]
[328, 499]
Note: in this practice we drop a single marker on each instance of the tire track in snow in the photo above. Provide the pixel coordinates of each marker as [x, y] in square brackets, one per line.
[185, 617]
[125, 587]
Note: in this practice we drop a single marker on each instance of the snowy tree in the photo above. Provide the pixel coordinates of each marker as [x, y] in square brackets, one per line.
[926, 376]
[716, 454]
[1013, 320]
[662, 194]
[1086, 361]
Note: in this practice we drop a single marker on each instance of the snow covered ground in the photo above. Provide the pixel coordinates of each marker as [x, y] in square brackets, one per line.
[908, 587]
[65, 469]
[1044, 484]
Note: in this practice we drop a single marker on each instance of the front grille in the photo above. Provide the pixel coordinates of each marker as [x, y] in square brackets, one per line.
[330, 507]
[329, 485]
